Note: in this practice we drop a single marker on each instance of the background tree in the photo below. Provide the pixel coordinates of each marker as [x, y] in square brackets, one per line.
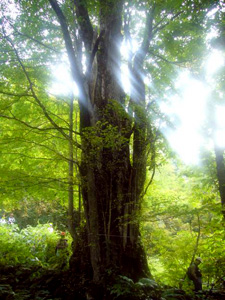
[214, 130]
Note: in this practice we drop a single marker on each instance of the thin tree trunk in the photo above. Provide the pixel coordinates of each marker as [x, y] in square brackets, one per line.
[71, 220]
[219, 155]
[220, 167]
[195, 250]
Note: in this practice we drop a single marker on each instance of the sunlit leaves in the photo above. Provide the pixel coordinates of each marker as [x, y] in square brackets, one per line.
[34, 150]
[31, 246]
[179, 202]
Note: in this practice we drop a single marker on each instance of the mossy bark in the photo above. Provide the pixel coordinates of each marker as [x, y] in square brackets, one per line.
[111, 178]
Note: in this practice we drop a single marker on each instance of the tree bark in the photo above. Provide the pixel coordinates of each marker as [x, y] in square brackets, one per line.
[220, 167]
[111, 185]
[219, 157]
[71, 221]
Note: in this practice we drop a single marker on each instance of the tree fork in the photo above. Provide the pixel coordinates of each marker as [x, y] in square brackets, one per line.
[113, 238]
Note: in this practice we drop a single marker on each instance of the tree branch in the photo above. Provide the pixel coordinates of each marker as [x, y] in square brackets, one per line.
[148, 31]
[33, 92]
[83, 20]
[37, 183]
[141, 53]
[149, 183]
[42, 146]
[38, 128]
[15, 95]
[30, 157]
[128, 38]
[158, 28]
[169, 61]
[68, 43]
[33, 39]
[94, 51]
[84, 102]
[160, 22]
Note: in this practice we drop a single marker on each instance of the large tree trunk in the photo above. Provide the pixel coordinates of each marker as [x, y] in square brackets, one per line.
[111, 185]
[108, 176]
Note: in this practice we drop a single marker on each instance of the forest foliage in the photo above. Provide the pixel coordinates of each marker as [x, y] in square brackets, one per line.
[33, 246]
[180, 214]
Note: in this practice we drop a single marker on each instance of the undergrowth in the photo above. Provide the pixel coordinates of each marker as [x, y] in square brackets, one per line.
[31, 246]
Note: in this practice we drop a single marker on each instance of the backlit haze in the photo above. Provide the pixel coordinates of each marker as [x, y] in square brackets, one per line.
[186, 109]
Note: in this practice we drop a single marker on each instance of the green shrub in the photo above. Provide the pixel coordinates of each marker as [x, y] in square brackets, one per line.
[13, 249]
[30, 246]
[144, 289]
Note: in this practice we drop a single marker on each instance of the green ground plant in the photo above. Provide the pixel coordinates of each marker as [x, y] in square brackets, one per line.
[31, 246]
[125, 288]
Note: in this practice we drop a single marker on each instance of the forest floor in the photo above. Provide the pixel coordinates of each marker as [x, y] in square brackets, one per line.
[20, 283]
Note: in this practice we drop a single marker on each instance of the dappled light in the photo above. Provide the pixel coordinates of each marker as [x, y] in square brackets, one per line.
[215, 62]
[125, 78]
[112, 151]
[220, 125]
[62, 83]
[188, 104]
